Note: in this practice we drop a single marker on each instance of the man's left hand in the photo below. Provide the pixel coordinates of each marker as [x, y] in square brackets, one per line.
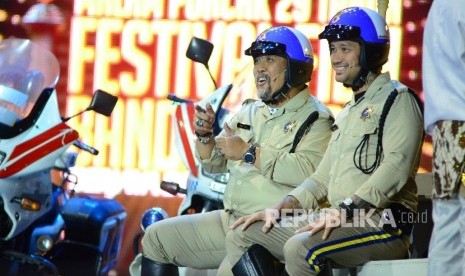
[328, 220]
[231, 145]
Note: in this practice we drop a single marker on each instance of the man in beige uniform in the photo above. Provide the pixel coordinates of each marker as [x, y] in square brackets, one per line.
[369, 167]
[269, 148]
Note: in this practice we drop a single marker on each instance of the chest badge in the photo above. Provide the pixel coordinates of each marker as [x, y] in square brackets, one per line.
[288, 127]
[366, 113]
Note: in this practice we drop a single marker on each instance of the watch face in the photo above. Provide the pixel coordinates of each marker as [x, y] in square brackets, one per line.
[249, 158]
[348, 201]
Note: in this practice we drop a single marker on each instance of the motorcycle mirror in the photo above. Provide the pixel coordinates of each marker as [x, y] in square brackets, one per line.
[103, 102]
[200, 50]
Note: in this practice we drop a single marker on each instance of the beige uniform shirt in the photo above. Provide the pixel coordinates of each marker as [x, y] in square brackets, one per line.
[250, 189]
[338, 178]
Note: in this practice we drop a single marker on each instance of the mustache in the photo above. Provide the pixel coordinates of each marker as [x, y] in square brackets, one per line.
[264, 76]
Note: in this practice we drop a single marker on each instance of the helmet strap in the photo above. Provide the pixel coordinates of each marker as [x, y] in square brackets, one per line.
[362, 77]
[360, 81]
[279, 95]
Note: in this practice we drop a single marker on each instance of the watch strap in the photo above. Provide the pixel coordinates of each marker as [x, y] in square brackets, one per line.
[205, 139]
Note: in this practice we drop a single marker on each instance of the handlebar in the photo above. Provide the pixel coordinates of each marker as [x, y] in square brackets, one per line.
[172, 188]
[83, 146]
[176, 99]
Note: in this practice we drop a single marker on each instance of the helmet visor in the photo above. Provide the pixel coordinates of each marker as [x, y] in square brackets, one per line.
[259, 48]
[340, 32]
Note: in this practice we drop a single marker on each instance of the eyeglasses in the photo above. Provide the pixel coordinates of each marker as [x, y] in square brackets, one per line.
[266, 48]
[340, 32]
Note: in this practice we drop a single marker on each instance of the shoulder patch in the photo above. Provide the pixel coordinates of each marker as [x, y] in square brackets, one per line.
[248, 101]
[400, 87]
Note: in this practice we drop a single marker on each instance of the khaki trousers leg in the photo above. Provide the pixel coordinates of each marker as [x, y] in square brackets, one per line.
[238, 241]
[195, 241]
[345, 247]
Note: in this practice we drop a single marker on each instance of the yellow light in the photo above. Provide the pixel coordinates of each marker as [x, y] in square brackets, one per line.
[30, 204]
[3, 15]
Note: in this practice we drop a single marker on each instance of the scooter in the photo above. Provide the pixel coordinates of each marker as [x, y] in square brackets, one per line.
[44, 228]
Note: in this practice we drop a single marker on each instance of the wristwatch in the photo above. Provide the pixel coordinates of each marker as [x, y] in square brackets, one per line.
[249, 155]
[349, 206]
[348, 201]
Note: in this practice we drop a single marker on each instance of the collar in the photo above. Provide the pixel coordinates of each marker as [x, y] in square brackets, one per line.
[294, 104]
[380, 81]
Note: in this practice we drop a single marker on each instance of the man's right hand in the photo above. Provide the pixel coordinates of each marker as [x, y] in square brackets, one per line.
[269, 216]
[204, 120]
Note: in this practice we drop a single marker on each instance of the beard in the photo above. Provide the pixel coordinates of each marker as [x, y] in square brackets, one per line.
[265, 93]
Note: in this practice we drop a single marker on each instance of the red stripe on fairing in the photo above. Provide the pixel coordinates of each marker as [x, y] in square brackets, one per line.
[36, 154]
[190, 114]
[39, 139]
[185, 140]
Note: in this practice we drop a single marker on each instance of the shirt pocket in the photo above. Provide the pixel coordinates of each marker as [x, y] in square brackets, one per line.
[364, 128]
[282, 142]
[364, 139]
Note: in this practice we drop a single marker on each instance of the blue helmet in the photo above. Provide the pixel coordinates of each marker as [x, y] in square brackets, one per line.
[151, 216]
[291, 44]
[365, 26]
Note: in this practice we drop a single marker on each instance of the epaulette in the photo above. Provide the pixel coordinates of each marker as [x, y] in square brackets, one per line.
[248, 101]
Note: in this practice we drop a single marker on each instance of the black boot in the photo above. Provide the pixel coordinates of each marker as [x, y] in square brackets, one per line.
[326, 269]
[152, 268]
[257, 261]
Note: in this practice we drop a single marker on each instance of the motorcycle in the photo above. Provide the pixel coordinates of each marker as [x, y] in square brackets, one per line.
[204, 191]
[45, 229]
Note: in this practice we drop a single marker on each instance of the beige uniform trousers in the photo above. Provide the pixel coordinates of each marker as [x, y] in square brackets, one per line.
[196, 241]
[347, 246]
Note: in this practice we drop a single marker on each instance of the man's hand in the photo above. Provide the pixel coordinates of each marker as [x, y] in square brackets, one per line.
[204, 120]
[231, 146]
[269, 216]
[328, 220]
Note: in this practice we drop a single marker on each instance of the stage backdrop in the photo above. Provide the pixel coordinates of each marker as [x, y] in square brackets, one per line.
[136, 51]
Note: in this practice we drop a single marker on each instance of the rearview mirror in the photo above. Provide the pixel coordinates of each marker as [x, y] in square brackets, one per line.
[103, 103]
[199, 50]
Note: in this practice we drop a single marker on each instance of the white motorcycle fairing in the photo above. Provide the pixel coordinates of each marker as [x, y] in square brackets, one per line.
[25, 170]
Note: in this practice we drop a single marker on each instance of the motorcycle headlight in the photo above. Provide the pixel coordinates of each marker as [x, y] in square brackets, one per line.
[44, 243]
[221, 177]
[218, 177]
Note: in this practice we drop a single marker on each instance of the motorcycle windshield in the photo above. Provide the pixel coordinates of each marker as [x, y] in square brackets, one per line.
[26, 69]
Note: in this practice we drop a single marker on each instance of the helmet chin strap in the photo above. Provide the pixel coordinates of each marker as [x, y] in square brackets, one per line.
[360, 81]
[279, 95]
